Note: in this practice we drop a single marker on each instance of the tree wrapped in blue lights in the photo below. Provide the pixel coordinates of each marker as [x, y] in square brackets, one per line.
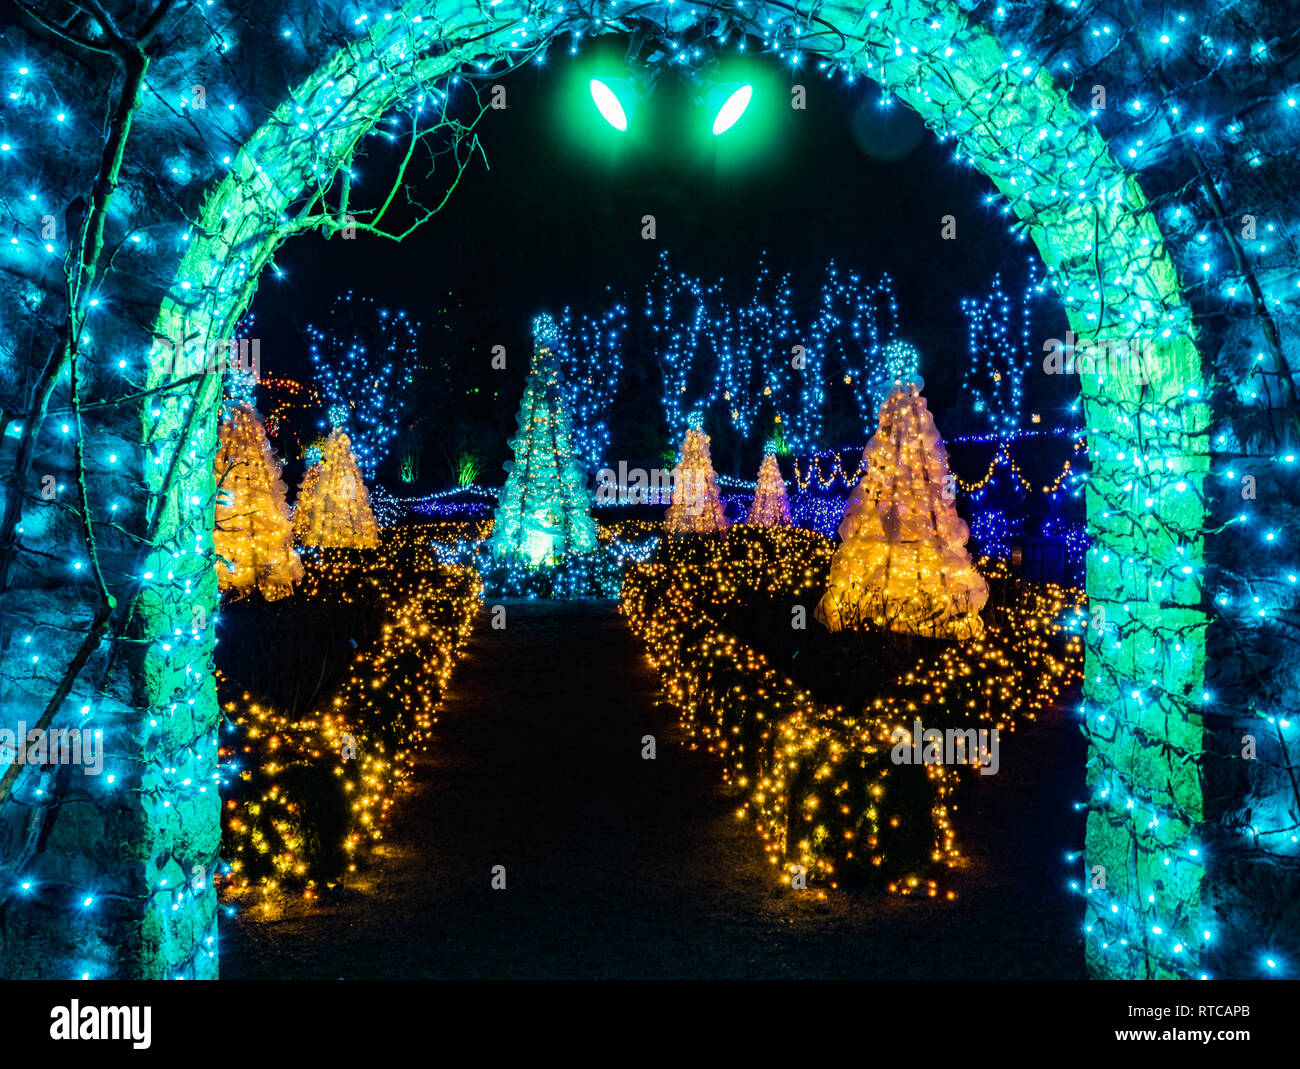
[774, 352]
[753, 351]
[998, 347]
[365, 357]
[678, 319]
[855, 323]
[545, 510]
[590, 353]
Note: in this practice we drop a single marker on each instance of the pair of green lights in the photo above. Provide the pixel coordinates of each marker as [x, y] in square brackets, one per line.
[613, 112]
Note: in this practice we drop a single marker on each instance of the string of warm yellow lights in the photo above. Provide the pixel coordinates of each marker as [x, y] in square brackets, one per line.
[283, 393]
[607, 530]
[1003, 456]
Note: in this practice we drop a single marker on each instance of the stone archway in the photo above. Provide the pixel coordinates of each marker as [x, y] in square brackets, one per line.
[145, 670]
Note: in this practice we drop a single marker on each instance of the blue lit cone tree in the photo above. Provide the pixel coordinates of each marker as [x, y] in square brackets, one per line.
[253, 537]
[771, 505]
[696, 507]
[545, 509]
[333, 508]
[903, 563]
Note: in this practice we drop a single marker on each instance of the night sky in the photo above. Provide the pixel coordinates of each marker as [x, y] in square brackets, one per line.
[551, 221]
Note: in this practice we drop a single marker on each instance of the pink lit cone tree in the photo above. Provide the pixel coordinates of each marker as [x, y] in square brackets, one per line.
[771, 506]
[696, 506]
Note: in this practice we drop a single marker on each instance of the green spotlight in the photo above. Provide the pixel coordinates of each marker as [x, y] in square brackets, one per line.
[733, 109]
[608, 104]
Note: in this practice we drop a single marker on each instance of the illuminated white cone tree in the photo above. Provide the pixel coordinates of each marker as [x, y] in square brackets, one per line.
[771, 506]
[696, 507]
[253, 535]
[545, 509]
[333, 508]
[903, 563]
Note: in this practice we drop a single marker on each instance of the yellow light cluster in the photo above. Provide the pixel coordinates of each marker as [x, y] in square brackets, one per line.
[452, 532]
[778, 743]
[333, 506]
[1011, 672]
[252, 534]
[903, 564]
[630, 529]
[386, 704]
[284, 393]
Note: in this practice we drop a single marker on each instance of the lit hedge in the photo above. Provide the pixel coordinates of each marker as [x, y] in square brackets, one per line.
[298, 816]
[818, 780]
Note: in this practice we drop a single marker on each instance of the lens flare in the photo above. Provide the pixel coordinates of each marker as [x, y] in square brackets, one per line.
[608, 104]
[732, 110]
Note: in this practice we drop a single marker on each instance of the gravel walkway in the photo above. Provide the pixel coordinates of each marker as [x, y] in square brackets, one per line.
[619, 867]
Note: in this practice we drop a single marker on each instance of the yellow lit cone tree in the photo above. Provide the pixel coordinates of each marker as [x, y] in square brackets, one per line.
[333, 508]
[696, 507]
[253, 537]
[771, 507]
[903, 563]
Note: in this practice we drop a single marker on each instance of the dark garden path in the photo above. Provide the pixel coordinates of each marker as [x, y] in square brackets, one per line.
[620, 867]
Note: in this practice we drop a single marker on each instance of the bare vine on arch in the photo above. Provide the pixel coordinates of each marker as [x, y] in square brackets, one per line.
[443, 141]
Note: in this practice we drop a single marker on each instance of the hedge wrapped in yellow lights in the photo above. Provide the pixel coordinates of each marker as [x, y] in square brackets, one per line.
[305, 798]
[818, 780]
